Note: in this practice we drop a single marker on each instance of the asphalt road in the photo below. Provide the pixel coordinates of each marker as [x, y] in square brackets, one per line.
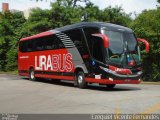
[20, 95]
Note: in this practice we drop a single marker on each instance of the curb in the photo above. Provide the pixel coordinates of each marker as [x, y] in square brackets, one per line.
[151, 83]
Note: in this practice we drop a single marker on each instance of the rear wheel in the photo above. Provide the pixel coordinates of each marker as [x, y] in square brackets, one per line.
[32, 74]
[111, 86]
[80, 78]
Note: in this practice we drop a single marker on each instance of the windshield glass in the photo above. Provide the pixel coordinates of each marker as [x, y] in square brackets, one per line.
[131, 41]
[116, 42]
[122, 48]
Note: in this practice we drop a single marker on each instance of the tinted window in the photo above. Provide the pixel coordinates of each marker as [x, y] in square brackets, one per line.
[95, 44]
[131, 40]
[88, 33]
[78, 39]
[76, 36]
[23, 46]
[29, 46]
[49, 44]
[116, 41]
[53, 42]
[39, 44]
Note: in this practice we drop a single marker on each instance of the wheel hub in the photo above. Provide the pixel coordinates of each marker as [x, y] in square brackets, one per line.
[80, 79]
[32, 75]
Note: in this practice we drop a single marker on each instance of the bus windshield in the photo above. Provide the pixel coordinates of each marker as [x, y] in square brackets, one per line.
[123, 48]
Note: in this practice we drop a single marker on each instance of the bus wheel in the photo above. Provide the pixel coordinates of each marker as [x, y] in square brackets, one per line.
[81, 80]
[110, 86]
[32, 74]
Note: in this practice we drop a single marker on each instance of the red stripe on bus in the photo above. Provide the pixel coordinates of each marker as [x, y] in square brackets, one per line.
[106, 81]
[55, 76]
[24, 74]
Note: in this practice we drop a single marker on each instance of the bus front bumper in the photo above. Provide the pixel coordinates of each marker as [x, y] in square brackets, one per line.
[113, 81]
[115, 78]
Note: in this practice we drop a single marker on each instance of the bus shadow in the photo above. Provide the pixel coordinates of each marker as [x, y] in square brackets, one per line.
[55, 82]
[117, 88]
[89, 87]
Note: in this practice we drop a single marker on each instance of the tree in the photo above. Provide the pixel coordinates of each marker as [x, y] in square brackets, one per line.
[38, 21]
[90, 12]
[147, 26]
[11, 56]
[71, 3]
[116, 15]
[6, 30]
[64, 15]
[148, 21]
[10, 25]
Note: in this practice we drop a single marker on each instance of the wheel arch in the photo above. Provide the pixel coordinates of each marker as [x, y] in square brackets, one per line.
[82, 68]
[78, 69]
[31, 67]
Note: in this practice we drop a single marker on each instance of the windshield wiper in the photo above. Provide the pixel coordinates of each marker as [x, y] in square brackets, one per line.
[128, 52]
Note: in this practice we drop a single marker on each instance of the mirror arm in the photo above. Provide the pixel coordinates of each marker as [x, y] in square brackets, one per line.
[146, 44]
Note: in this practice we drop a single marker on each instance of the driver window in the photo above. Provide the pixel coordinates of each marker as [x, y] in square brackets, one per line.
[97, 49]
[95, 44]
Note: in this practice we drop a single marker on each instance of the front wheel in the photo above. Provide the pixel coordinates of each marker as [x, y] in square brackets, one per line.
[80, 77]
[111, 86]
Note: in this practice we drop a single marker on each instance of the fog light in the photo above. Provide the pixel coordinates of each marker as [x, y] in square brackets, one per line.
[111, 79]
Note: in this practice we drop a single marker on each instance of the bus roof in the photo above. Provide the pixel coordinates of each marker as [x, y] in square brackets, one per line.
[108, 26]
[47, 33]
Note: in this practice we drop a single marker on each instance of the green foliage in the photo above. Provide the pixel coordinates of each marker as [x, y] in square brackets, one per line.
[90, 12]
[10, 27]
[38, 21]
[5, 36]
[116, 15]
[147, 26]
[63, 15]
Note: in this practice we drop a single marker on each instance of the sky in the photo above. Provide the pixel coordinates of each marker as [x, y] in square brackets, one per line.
[129, 6]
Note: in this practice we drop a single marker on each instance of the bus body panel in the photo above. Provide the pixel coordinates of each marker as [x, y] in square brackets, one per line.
[62, 63]
[55, 61]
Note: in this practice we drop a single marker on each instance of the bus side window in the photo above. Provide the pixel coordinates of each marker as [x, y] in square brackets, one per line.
[23, 46]
[29, 46]
[49, 42]
[39, 44]
[97, 49]
[53, 42]
[61, 45]
[26, 46]
[77, 37]
[58, 43]
[95, 45]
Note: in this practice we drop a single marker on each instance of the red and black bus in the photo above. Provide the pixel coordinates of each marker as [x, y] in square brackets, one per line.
[87, 52]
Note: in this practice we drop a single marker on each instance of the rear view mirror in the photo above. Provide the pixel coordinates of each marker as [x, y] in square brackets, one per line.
[104, 37]
[146, 43]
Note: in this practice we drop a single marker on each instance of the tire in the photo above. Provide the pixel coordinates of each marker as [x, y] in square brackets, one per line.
[32, 75]
[80, 78]
[111, 86]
